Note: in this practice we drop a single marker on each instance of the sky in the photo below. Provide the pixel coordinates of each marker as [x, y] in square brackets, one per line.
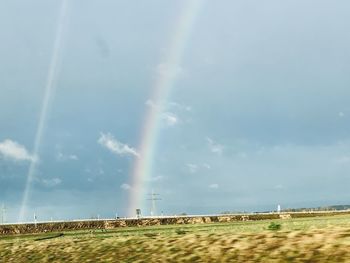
[253, 112]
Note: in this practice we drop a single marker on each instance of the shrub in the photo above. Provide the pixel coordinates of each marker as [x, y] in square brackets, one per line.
[180, 231]
[274, 226]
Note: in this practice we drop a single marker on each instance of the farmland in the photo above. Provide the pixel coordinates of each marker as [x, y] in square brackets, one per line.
[312, 239]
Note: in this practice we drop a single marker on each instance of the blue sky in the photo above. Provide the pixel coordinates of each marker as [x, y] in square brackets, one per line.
[258, 114]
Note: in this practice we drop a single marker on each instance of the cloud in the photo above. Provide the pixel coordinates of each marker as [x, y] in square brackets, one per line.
[151, 103]
[51, 182]
[278, 187]
[214, 186]
[207, 166]
[169, 105]
[13, 150]
[73, 157]
[179, 106]
[125, 187]
[341, 114]
[169, 118]
[192, 168]
[109, 142]
[62, 157]
[215, 147]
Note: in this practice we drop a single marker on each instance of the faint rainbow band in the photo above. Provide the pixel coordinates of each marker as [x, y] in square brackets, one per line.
[164, 83]
[48, 97]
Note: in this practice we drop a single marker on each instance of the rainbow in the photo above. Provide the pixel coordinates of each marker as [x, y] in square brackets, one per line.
[48, 97]
[164, 83]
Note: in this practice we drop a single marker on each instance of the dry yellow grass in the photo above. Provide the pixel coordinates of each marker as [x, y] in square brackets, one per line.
[299, 240]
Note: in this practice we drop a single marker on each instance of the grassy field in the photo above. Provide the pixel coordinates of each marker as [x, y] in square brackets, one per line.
[323, 239]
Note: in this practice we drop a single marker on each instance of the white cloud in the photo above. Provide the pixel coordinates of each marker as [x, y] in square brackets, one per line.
[170, 118]
[215, 147]
[207, 166]
[13, 150]
[192, 168]
[341, 114]
[278, 187]
[51, 182]
[59, 156]
[214, 186]
[73, 157]
[62, 157]
[109, 142]
[125, 187]
[168, 105]
[151, 103]
[179, 106]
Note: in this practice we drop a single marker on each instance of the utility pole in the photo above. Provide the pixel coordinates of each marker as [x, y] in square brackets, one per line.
[153, 199]
[35, 219]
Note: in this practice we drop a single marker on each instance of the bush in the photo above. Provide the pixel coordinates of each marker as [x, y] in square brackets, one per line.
[180, 231]
[274, 226]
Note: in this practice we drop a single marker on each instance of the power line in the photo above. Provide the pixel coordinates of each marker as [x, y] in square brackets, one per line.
[154, 198]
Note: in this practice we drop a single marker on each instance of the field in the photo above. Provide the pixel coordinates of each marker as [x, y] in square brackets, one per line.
[319, 239]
